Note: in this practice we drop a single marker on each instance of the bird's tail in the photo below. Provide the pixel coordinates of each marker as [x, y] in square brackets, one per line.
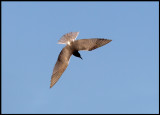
[67, 38]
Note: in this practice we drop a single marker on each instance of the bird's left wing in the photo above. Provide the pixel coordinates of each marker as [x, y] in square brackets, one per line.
[90, 44]
[61, 65]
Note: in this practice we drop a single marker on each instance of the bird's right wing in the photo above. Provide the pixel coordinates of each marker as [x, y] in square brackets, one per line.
[90, 44]
[61, 65]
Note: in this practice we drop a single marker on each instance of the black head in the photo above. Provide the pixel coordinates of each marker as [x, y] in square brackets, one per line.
[77, 54]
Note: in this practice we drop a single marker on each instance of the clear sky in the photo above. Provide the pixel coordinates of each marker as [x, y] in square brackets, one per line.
[120, 77]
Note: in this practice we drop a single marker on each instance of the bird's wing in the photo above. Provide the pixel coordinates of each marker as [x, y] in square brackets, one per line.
[67, 38]
[90, 44]
[61, 65]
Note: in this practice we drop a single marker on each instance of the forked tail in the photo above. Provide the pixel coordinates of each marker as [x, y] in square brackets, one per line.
[67, 38]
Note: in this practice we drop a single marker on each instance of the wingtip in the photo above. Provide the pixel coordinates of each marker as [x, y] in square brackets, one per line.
[109, 40]
[51, 86]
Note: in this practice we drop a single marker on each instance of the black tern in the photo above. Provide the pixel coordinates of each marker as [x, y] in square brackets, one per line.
[72, 47]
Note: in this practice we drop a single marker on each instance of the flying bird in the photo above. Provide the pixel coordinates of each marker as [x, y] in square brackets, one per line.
[72, 47]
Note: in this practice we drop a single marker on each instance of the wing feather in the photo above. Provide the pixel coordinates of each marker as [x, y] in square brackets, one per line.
[90, 44]
[61, 65]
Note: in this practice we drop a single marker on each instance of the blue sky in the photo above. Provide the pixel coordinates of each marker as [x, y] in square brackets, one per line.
[120, 77]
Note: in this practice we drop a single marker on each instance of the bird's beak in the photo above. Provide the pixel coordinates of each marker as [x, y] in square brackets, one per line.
[81, 57]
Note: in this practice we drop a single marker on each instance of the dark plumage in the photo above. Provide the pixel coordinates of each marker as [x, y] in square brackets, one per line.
[73, 47]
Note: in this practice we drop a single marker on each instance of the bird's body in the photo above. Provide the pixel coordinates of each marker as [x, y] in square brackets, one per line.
[72, 47]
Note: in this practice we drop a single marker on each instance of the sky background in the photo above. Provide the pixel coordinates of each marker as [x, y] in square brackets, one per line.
[120, 77]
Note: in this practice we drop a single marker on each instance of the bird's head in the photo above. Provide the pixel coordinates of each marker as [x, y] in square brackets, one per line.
[77, 54]
[80, 57]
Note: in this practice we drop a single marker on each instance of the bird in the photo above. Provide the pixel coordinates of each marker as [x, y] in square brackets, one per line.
[72, 47]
